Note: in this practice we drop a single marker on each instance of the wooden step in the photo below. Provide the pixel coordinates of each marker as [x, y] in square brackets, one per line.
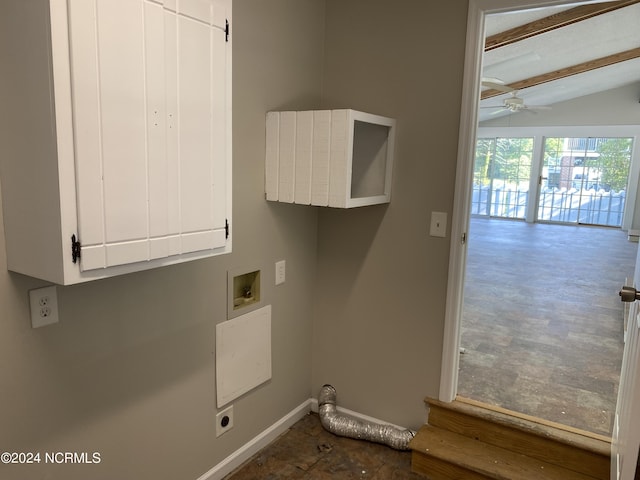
[443, 455]
[572, 450]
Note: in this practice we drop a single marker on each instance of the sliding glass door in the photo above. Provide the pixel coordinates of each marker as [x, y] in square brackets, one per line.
[555, 179]
[584, 180]
[501, 178]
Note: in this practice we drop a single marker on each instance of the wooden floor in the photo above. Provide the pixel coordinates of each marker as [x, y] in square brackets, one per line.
[543, 324]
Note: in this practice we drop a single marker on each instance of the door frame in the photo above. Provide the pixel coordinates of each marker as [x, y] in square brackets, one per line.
[464, 177]
[462, 206]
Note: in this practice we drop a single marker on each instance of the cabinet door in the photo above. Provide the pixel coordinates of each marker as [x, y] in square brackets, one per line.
[149, 104]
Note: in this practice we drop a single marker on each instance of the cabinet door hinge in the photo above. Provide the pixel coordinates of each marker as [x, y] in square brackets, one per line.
[226, 228]
[75, 248]
[226, 30]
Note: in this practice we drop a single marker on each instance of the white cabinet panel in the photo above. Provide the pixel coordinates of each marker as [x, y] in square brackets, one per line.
[86, 122]
[172, 155]
[149, 86]
[121, 88]
[272, 129]
[335, 158]
[194, 80]
[287, 149]
[220, 125]
[157, 86]
[303, 157]
[321, 157]
[341, 132]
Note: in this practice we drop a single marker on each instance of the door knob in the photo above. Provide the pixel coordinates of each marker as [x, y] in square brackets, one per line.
[629, 294]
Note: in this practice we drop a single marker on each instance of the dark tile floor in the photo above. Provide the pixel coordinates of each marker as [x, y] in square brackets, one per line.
[543, 323]
[308, 451]
[543, 336]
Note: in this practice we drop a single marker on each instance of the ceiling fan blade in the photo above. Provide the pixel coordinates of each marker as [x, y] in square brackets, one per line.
[497, 80]
[498, 86]
[537, 107]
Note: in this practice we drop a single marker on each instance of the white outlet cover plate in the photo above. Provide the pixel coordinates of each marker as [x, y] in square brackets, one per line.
[438, 227]
[227, 412]
[41, 299]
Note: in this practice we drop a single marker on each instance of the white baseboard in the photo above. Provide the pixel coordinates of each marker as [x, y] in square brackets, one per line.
[244, 453]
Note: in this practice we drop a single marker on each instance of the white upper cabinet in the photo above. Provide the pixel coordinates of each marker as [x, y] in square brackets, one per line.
[134, 161]
[330, 158]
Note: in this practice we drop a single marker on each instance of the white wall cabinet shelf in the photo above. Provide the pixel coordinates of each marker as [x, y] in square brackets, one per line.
[335, 158]
[116, 133]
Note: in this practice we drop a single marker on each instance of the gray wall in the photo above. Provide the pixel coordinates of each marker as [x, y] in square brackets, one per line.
[129, 371]
[380, 300]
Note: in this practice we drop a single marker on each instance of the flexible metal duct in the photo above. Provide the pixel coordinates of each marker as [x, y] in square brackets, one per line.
[346, 426]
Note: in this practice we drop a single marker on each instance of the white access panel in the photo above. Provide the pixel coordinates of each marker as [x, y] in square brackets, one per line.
[243, 354]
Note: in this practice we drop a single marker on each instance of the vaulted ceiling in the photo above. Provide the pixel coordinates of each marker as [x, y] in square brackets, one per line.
[555, 54]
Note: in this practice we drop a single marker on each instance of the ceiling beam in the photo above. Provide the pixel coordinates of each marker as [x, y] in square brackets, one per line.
[558, 20]
[567, 71]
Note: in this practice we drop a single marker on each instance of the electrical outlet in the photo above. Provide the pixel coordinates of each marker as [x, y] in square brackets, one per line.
[281, 268]
[224, 421]
[43, 303]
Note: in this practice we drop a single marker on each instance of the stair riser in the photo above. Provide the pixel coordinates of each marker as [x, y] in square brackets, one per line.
[534, 446]
[465, 454]
[436, 469]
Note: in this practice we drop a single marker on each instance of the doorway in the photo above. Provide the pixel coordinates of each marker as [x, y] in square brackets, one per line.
[460, 229]
[530, 344]
[529, 341]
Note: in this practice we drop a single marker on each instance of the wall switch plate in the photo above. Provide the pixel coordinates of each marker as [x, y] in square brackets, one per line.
[43, 303]
[224, 421]
[438, 224]
[280, 272]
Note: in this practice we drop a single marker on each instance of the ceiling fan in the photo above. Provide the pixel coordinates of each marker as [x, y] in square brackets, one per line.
[496, 84]
[513, 103]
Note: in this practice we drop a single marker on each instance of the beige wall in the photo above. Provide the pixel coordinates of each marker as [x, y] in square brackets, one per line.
[129, 371]
[380, 302]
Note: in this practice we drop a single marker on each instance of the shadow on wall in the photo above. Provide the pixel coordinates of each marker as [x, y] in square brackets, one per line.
[357, 228]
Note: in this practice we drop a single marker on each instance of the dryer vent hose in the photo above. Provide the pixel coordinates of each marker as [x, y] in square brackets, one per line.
[346, 426]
